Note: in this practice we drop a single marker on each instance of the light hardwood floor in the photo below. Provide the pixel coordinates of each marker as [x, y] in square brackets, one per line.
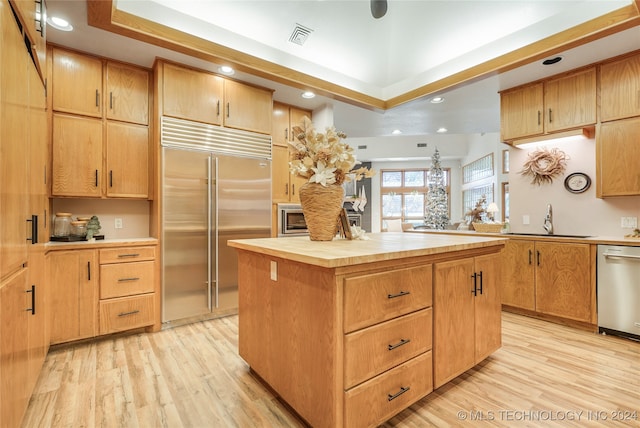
[545, 375]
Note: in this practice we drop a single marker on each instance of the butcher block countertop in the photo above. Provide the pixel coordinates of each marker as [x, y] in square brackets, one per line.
[379, 247]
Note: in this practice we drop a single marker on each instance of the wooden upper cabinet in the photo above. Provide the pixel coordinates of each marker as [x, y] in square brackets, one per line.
[127, 160]
[521, 112]
[620, 89]
[32, 14]
[570, 101]
[192, 95]
[77, 83]
[127, 97]
[76, 156]
[618, 158]
[280, 122]
[295, 119]
[247, 107]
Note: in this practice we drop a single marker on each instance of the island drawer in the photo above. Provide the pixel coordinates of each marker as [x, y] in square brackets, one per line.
[125, 313]
[126, 279]
[127, 254]
[377, 297]
[378, 399]
[373, 350]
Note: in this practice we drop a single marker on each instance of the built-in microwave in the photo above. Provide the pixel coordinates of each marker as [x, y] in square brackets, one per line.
[291, 220]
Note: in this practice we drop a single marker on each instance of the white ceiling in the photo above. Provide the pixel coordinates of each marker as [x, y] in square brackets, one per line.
[415, 43]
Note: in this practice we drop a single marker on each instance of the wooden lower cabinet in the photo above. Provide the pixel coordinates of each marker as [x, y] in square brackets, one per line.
[550, 278]
[101, 291]
[466, 318]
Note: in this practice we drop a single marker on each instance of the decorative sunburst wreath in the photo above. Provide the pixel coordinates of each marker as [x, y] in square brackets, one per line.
[543, 165]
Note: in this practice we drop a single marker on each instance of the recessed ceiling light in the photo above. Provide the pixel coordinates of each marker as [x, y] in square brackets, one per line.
[437, 100]
[396, 132]
[551, 61]
[59, 23]
[441, 130]
[225, 69]
[308, 94]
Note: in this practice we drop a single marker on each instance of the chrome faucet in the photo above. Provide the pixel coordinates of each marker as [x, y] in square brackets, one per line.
[548, 221]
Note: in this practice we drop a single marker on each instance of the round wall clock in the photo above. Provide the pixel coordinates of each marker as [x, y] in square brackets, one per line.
[577, 182]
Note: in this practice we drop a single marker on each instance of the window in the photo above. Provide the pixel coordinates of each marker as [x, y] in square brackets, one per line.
[478, 169]
[403, 193]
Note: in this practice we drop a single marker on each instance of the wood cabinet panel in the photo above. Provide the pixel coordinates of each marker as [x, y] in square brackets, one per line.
[247, 107]
[127, 96]
[488, 313]
[191, 94]
[377, 297]
[521, 112]
[280, 123]
[383, 396]
[126, 313]
[74, 277]
[620, 88]
[373, 350]
[280, 174]
[563, 280]
[76, 83]
[126, 279]
[570, 101]
[76, 156]
[618, 158]
[127, 160]
[518, 275]
[32, 14]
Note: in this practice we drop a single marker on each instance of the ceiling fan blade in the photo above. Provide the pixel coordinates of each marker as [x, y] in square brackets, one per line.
[378, 8]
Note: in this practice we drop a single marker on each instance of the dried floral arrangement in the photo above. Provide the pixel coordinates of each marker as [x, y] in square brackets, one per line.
[323, 158]
[543, 165]
[478, 212]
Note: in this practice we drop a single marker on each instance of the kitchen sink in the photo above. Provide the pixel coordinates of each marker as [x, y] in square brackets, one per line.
[554, 235]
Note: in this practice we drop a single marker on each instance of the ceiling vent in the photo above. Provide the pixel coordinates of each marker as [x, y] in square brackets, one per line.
[300, 34]
[421, 144]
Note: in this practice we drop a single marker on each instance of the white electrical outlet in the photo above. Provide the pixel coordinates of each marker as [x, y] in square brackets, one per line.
[118, 224]
[629, 222]
[525, 219]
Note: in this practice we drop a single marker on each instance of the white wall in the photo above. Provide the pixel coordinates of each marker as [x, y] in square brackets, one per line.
[581, 214]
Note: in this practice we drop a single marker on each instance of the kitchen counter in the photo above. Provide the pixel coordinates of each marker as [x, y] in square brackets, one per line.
[594, 240]
[350, 332]
[379, 247]
[102, 243]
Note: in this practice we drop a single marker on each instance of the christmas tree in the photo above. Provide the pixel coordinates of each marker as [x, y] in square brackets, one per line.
[437, 209]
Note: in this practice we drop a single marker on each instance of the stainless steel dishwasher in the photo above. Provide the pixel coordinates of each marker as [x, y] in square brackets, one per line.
[619, 290]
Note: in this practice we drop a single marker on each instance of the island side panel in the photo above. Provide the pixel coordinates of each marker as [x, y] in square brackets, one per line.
[289, 333]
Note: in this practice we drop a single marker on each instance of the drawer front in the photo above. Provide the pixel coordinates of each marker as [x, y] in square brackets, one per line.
[125, 313]
[378, 297]
[129, 254]
[126, 279]
[373, 350]
[377, 400]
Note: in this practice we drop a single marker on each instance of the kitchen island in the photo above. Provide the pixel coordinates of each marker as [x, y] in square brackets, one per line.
[349, 333]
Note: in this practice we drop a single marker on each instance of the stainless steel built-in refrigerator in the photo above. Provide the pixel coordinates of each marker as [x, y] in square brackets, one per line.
[216, 186]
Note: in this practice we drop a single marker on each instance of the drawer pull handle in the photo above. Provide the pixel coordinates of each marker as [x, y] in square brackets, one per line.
[121, 256]
[403, 389]
[128, 279]
[399, 344]
[400, 294]
[124, 314]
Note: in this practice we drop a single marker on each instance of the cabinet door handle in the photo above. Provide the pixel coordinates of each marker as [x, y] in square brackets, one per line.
[550, 116]
[293, 189]
[286, 134]
[480, 275]
[88, 271]
[475, 284]
[121, 256]
[400, 294]
[530, 256]
[539, 117]
[96, 178]
[32, 309]
[97, 98]
[391, 397]
[228, 109]
[538, 257]
[128, 279]
[399, 344]
[34, 229]
[124, 314]
[218, 108]
[286, 189]
[111, 178]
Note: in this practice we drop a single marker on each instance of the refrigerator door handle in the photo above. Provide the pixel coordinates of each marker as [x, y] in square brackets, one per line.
[209, 226]
[215, 230]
